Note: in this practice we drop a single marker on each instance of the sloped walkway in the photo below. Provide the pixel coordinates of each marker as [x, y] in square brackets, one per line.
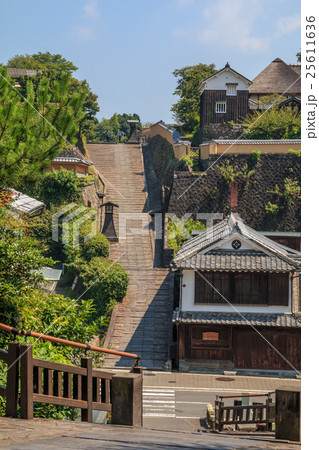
[143, 320]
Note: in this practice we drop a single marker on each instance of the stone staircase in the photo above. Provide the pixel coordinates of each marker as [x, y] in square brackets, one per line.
[143, 321]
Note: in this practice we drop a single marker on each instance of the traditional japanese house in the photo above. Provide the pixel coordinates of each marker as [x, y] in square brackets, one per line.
[277, 78]
[224, 97]
[239, 305]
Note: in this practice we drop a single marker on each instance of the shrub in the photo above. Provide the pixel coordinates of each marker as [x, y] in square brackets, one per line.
[294, 152]
[95, 247]
[179, 231]
[271, 208]
[291, 190]
[255, 155]
[59, 186]
[105, 281]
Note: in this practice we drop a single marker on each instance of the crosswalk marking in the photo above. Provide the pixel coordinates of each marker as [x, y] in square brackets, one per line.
[158, 403]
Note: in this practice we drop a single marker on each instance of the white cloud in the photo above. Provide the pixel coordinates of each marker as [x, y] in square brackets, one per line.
[287, 25]
[82, 32]
[230, 23]
[91, 9]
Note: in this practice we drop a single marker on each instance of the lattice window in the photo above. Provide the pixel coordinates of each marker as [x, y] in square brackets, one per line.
[231, 89]
[220, 107]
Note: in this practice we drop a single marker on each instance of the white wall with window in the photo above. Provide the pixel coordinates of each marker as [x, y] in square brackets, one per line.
[189, 303]
[231, 89]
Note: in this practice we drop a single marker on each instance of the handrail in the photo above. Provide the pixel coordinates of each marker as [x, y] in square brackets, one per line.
[67, 342]
[244, 396]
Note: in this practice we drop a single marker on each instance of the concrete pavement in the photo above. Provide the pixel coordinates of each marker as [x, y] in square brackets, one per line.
[21, 434]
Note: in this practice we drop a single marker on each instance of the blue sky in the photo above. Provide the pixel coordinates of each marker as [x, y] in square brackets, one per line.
[128, 49]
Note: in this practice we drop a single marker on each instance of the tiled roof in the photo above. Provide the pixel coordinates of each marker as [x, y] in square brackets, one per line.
[277, 78]
[256, 142]
[232, 261]
[271, 256]
[24, 204]
[73, 155]
[221, 318]
[16, 73]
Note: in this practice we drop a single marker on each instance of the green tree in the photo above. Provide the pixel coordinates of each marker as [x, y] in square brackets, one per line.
[186, 110]
[52, 66]
[33, 131]
[273, 123]
[45, 62]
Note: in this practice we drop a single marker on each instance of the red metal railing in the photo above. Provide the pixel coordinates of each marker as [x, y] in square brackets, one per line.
[67, 342]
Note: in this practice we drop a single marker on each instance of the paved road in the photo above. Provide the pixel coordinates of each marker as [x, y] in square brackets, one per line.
[18, 434]
[171, 409]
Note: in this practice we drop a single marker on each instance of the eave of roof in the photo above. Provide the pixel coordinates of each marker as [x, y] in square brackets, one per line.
[243, 319]
[232, 261]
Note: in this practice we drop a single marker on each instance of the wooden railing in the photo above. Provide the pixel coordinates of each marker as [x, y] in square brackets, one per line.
[244, 414]
[60, 384]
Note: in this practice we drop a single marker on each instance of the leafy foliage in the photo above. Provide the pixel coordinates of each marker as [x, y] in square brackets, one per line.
[292, 190]
[59, 186]
[98, 246]
[40, 228]
[294, 152]
[117, 123]
[45, 62]
[178, 231]
[24, 306]
[273, 123]
[105, 281]
[186, 110]
[255, 155]
[231, 172]
[52, 67]
[272, 208]
[32, 132]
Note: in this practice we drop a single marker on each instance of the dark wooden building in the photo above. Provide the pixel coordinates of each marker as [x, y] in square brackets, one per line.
[239, 302]
[224, 97]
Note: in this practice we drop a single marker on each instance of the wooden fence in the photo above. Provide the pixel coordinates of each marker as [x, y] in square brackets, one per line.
[244, 414]
[58, 384]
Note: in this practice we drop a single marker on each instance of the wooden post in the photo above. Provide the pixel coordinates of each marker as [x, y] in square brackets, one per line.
[26, 381]
[12, 379]
[126, 395]
[288, 413]
[87, 389]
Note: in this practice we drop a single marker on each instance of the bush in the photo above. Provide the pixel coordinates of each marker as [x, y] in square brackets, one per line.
[294, 152]
[59, 186]
[105, 281]
[255, 155]
[96, 247]
[40, 228]
[179, 231]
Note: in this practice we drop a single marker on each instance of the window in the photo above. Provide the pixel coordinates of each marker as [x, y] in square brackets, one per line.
[220, 107]
[242, 288]
[231, 89]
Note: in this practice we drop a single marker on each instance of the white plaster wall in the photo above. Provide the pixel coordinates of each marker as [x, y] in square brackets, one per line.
[188, 297]
[219, 82]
